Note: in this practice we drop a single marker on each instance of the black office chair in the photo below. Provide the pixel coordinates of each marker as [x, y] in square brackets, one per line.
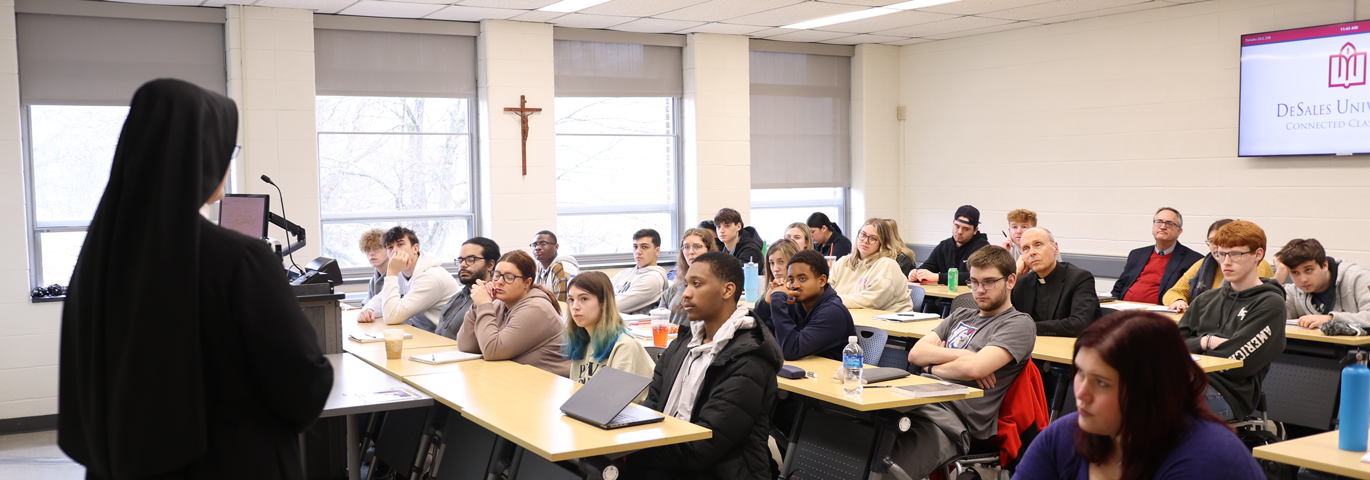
[964, 300]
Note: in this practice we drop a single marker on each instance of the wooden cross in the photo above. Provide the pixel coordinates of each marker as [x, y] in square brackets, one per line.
[523, 111]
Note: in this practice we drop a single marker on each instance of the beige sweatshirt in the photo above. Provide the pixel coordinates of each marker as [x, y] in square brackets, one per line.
[877, 284]
[627, 355]
[530, 332]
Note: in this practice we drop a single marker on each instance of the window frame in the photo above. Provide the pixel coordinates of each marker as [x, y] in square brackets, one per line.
[471, 215]
[842, 203]
[669, 248]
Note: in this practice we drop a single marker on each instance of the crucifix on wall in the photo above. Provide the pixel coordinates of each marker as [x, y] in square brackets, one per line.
[523, 111]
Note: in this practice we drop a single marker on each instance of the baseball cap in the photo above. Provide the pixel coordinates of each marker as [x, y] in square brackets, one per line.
[971, 213]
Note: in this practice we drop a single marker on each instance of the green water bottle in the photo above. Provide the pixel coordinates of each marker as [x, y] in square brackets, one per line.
[951, 280]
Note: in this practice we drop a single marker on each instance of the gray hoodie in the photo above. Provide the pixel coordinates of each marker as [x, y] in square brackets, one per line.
[1353, 296]
[637, 290]
[418, 300]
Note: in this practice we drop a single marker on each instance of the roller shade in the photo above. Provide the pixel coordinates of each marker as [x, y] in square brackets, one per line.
[602, 69]
[800, 120]
[73, 60]
[388, 64]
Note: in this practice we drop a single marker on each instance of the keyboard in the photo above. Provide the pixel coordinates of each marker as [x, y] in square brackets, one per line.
[633, 413]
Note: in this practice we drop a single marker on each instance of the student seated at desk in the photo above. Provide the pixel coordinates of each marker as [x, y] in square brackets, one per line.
[1326, 293]
[736, 238]
[416, 285]
[370, 244]
[904, 256]
[987, 348]
[1059, 296]
[596, 336]
[477, 256]
[514, 318]
[870, 278]
[806, 315]
[1205, 275]
[638, 289]
[1151, 271]
[966, 239]
[695, 242]
[718, 374]
[1242, 320]
[827, 236]
[798, 233]
[554, 269]
[777, 256]
[1137, 419]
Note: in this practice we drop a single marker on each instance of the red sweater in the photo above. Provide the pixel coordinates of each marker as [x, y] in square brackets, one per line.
[1147, 287]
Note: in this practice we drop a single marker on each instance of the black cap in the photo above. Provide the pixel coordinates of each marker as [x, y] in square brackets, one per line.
[971, 214]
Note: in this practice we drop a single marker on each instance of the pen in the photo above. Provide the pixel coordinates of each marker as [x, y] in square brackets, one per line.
[878, 386]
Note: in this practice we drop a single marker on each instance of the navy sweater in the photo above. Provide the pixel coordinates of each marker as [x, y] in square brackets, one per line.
[822, 331]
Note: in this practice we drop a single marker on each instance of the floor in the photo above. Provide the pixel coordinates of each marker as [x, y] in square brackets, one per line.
[35, 455]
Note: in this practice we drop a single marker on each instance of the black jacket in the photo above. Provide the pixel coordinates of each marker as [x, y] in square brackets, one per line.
[838, 245]
[748, 247]
[1069, 292]
[947, 256]
[1252, 321]
[1182, 258]
[735, 402]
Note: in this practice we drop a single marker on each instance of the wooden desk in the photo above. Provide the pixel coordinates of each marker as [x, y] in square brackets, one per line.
[824, 388]
[1315, 335]
[940, 291]
[864, 317]
[352, 380]
[404, 367]
[1318, 452]
[422, 339]
[523, 405]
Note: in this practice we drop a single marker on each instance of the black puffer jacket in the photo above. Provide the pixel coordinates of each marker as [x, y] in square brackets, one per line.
[735, 402]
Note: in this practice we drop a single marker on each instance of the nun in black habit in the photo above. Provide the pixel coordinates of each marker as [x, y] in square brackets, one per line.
[184, 353]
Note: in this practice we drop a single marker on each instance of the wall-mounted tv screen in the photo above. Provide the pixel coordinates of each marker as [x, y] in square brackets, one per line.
[1304, 92]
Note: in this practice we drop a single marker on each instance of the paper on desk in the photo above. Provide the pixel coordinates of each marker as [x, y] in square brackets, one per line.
[1128, 306]
[1194, 357]
[1161, 309]
[391, 395]
[1293, 322]
[907, 317]
[1365, 459]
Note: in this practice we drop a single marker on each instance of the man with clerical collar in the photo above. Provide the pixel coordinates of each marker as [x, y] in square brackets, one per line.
[1151, 271]
[1058, 296]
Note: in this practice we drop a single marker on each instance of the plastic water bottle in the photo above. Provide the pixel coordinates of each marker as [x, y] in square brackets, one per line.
[851, 368]
[951, 279]
[1354, 419]
[751, 288]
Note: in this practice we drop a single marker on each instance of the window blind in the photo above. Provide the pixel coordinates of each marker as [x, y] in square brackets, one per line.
[800, 120]
[391, 64]
[602, 69]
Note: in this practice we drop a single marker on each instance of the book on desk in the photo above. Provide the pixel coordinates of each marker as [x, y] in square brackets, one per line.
[902, 317]
[925, 390]
[372, 337]
[443, 358]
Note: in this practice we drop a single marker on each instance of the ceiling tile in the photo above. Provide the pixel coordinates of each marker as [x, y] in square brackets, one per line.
[886, 22]
[536, 16]
[976, 7]
[794, 14]
[859, 39]
[515, 4]
[462, 13]
[320, 6]
[655, 25]
[944, 26]
[864, 3]
[1059, 8]
[1105, 12]
[978, 31]
[771, 32]
[220, 3]
[581, 20]
[372, 8]
[807, 36]
[909, 41]
[163, 2]
[724, 28]
[720, 10]
[434, 2]
[639, 8]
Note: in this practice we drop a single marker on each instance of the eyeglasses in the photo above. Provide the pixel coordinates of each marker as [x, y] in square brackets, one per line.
[506, 277]
[984, 285]
[1167, 223]
[1220, 256]
[471, 260]
[693, 247]
[862, 237]
[541, 244]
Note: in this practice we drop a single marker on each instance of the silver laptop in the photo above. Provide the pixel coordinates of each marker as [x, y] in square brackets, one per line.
[606, 400]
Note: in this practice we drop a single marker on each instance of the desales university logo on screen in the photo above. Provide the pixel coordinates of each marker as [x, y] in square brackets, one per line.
[1346, 68]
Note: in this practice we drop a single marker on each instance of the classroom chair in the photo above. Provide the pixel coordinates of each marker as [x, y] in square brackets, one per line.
[964, 300]
[404, 440]
[655, 352]
[469, 451]
[916, 295]
[1022, 416]
[872, 342]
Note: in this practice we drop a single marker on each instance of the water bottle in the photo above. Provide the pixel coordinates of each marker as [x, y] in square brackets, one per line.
[851, 368]
[751, 288]
[1354, 422]
[951, 279]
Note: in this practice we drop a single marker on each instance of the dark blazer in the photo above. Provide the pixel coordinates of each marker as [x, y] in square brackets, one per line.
[1182, 259]
[1070, 291]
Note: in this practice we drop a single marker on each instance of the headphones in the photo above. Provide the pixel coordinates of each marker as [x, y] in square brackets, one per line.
[53, 290]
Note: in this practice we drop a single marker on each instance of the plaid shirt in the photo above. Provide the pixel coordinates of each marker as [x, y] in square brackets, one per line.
[555, 279]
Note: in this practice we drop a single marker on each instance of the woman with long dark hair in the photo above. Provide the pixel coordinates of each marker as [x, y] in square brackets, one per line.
[1142, 412]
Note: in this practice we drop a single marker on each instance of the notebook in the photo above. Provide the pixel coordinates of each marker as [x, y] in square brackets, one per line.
[443, 358]
[605, 400]
[372, 337]
[925, 390]
[907, 317]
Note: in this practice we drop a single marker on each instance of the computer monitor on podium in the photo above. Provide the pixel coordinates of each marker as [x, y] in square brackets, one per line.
[245, 213]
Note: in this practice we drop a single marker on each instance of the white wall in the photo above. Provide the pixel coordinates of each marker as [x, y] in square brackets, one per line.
[717, 127]
[1094, 124]
[875, 134]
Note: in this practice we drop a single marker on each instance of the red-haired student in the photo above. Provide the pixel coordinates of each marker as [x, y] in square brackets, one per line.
[1142, 413]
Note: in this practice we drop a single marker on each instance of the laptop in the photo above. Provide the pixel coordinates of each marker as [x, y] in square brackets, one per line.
[606, 400]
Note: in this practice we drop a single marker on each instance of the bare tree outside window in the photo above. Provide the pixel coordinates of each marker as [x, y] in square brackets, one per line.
[386, 161]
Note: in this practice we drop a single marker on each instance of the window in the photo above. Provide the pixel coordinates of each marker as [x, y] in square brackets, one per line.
[774, 209]
[70, 150]
[617, 171]
[386, 161]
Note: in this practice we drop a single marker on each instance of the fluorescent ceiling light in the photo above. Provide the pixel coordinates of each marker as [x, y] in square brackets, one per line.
[918, 4]
[842, 18]
[571, 5]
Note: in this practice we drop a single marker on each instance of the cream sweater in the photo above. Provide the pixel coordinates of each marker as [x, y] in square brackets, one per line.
[877, 284]
[627, 355]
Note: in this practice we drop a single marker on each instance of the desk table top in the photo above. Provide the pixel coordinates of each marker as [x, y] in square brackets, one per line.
[940, 291]
[354, 382]
[1318, 452]
[1315, 335]
[404, 367]
[824, 387]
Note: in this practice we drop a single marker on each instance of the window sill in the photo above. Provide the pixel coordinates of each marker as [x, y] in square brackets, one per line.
[62, 298]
